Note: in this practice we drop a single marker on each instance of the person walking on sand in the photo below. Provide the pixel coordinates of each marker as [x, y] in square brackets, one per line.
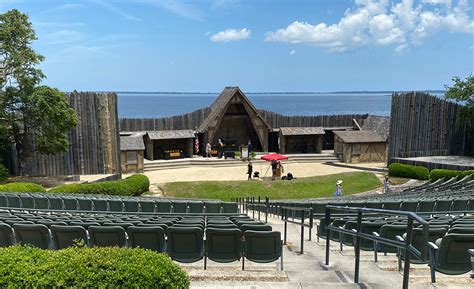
[208, 150]
[339, 190]
[249, 170]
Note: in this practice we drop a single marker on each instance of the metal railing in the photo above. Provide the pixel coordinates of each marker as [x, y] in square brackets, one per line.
[407, 246]
[301, 222]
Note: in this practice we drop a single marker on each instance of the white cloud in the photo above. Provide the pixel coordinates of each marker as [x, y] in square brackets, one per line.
[231, 35]
[399, 23]
[62, 36]
[292, 52]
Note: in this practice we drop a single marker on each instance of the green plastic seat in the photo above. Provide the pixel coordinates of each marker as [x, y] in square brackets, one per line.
[6, 235]
[443, 205]
[223, 245]
[163, 206]
[124, 225]
[85, 225]
[230, 208]
[450, 255]
[426, 206]
[27, 202]
[107, 236]
[3, 200]
[41, 202]
[100, 205]
[461, 230]
[14, 201]
[249, 227]
[68, 236]
[185, 245]
[70, 204]
[369, 228]
[131, 206]
[55, 203]
[459, 205]
[433, 235]
[394, 206]
[151, 238]
[35, 235]
[115, 206]
[213, 207]
[222, 226]
[147, 206]
[180, 207]
[409, 206]
[49, 223]
[390, 231]
[85, 204]
[263, 247]
[196, 207]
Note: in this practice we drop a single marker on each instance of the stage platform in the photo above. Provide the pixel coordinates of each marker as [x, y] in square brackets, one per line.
[440, 162]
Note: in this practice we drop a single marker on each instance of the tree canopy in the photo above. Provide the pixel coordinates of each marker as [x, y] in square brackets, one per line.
[30, 113]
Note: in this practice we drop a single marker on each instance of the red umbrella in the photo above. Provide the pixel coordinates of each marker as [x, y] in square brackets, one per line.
[271, 157]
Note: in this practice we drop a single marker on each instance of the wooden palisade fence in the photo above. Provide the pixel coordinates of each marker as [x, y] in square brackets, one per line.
[425, 125]
[94, 146]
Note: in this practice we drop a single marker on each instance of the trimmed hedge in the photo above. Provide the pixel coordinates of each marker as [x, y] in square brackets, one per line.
[447, 174]
[134, 185]
[408, 171]
[22, 188]
[28, 267]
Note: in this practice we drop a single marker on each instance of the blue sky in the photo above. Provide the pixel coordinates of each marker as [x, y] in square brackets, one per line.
[259, 45]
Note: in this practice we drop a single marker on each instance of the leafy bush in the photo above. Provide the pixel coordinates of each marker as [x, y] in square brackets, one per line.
[4, 173]
[27, 267]
[408, 171]
[22, 188]
[447, 174]
[134, 185]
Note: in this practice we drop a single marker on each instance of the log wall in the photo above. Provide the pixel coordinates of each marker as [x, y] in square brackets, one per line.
[94, 145]
[194, 119]
[424, 125]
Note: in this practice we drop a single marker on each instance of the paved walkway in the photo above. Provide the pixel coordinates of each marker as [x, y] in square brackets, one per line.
[305, 270]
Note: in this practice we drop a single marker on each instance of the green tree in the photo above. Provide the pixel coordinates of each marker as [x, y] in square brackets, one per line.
[29, 113]
[463, 92]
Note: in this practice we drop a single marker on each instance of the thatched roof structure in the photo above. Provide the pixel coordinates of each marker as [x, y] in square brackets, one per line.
[359, 136]
[301, 130]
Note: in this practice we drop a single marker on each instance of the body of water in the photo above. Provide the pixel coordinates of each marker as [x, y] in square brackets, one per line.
[155, 105]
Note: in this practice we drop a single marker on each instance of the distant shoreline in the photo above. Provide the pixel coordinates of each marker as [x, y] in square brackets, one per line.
[333, 92]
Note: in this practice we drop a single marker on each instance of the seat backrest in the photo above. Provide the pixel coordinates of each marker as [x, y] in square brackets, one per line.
[391, 205]
[67, 236]
[369, 228]
[222, 226]
[147, 206]
[115, 205]
[85, 225]
[100, 205]
[249, 227]
[152, 238]
[462, 230]
[36, 235]
[49, 223]
[6, 235]
[107, 236]
[443, 205]
[262, 247]
[163, 206]
[85, 204]
[41, 202]
[426, 206]
[213, 207]
[14, 201]
[27, 202]
[70, 203]
[459, 205]
[223, 245]
[196, 207]
[180, 207]
[55, 203]
[131, 206]
[409, 206]
[453, 257]
[3, 200]
[230, 207]
[124, 225]
[185, 245]
[391, 232]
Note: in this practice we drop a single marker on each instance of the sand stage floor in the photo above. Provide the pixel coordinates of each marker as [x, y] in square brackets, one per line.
[238, 172]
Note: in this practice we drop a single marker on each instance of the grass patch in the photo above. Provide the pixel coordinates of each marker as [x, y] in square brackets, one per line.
[301, 188]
